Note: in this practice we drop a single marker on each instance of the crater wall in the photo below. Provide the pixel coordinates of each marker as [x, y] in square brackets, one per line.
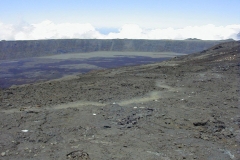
[36, 48]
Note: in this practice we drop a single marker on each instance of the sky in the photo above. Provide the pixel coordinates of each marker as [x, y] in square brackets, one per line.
[111, 19]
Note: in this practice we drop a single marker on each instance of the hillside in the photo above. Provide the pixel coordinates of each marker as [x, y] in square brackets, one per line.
[184, 108]
[35, 48]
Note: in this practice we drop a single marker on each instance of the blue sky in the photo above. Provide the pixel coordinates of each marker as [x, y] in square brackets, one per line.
[110, 16]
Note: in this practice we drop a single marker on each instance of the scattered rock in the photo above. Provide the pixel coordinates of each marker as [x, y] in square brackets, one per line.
[78, 155]
[107, 126]
[3, 154]
[202, 123]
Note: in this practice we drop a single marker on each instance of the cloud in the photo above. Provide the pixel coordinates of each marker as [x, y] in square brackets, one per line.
[6, 31]
[130, 31]
[49, 30]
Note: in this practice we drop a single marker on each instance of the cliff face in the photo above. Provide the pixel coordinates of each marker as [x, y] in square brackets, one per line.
[36, 48]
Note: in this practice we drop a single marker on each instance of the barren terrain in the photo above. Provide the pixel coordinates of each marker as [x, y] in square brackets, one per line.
[41, 69]
[184, 108]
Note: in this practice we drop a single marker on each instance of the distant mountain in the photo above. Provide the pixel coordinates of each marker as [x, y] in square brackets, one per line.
[36, 48]
[193, 39]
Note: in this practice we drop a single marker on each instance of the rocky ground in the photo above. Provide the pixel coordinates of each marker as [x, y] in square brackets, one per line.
[185, 108]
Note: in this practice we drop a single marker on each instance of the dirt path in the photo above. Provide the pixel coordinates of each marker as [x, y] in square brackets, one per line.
[151, 96]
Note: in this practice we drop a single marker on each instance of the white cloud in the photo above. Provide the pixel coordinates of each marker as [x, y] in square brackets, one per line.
[49, 30]
[130, 31]
[6, 31]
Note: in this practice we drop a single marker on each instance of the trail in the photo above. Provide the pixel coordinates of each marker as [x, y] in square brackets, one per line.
[151, 96]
